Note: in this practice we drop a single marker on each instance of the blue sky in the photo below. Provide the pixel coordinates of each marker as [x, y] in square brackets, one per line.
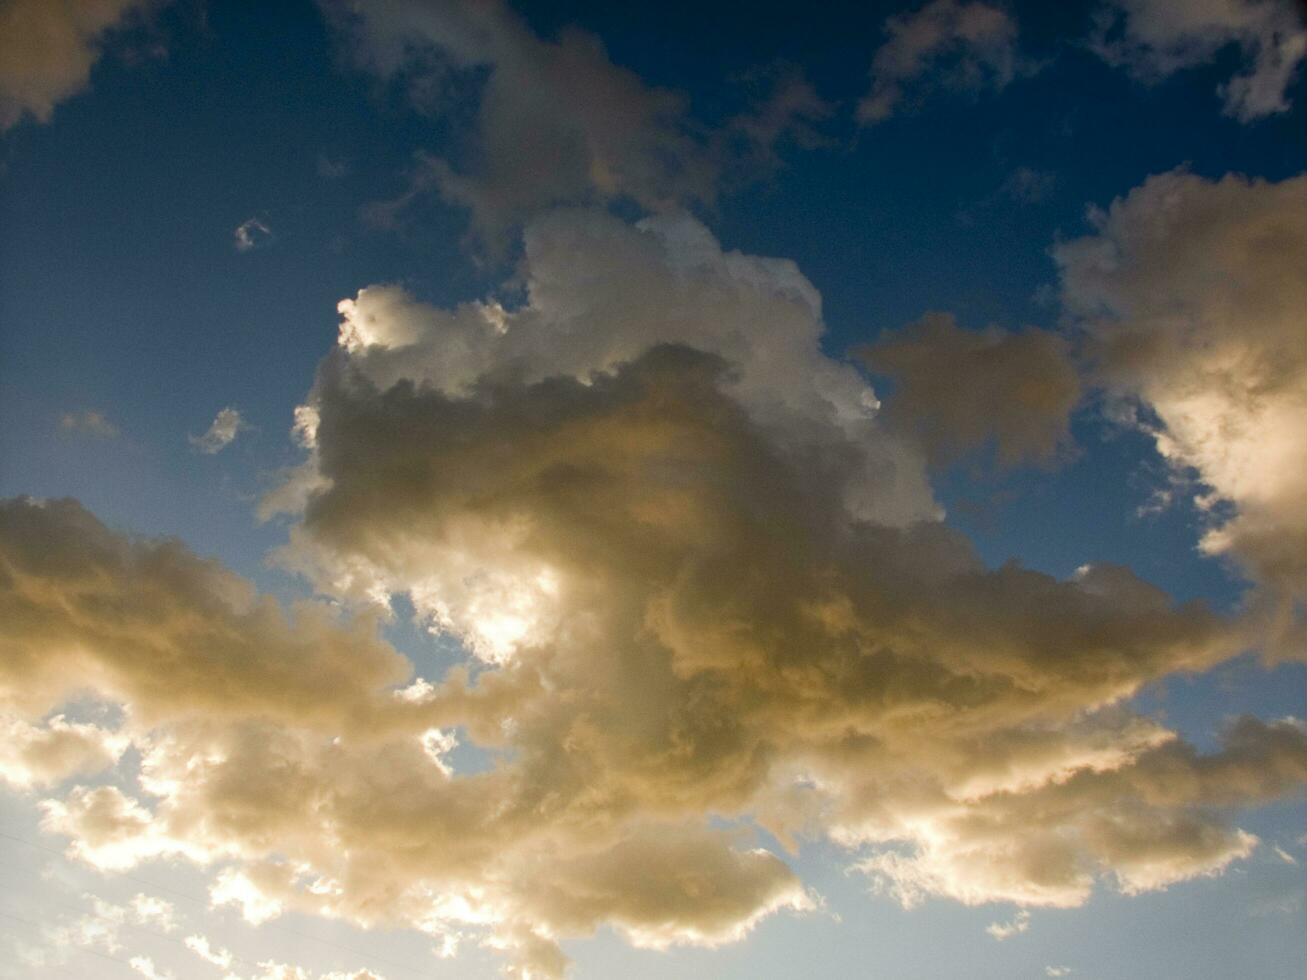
[133, 311]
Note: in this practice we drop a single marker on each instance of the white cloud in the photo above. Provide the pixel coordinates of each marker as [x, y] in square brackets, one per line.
[1161, 37]
[146, 968]
[226, 425]
[250, 234]
[47, 50]
[1057, 971]
[201, 947]
[154, 911]
[1014, 927]
[946, 44]
[39, 755]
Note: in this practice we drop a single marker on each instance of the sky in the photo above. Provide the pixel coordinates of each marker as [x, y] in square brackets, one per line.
[677, 490]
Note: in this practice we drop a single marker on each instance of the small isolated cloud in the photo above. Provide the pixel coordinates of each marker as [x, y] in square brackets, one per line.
[47, 50]
[251, 234]
[1019, 923]
[331, 168]
[88, 423]
[1057, 971]
[961, 47]
[146, 968]
[960, 391]
[227, 424]
[1154, 39]
[1285, 856]
[205, 950]
[1028, 185]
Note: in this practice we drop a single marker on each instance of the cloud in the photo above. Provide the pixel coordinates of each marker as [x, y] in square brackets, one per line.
[1028, 186]
[1189, 292]
[946, 44]
[89, 423]
[227, 424]
[47, 51]
[333, 168]
[1057, 971]
[101, 928]
[1006, 930]
[250, 234]
[958, 391]
[93, 610]
[39, 755]
[1157, 38]
[201, 947]
[150, 910]
[702, 591]
[146, 968]
[556, 121]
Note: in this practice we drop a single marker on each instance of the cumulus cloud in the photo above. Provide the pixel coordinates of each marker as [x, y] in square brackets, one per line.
[946, 44]
[702, 590]
[959, 391]
[47, 50]
[1157, 38]
[1190, 292]
[557, 122]
[88, 423]
[222, 432]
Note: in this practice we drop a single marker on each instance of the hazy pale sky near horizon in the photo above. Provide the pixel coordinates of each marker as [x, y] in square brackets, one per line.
[676, 490]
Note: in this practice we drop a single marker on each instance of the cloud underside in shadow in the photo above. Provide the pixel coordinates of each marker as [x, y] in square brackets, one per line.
[47, 50]
[703, 589]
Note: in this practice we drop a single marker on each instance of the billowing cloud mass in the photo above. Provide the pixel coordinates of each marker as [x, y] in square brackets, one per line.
[222, 432]
[961, 390]
[1157, 38]
[557, 122]
[47, 48]
[1191, 292]
[946, 44]
[702, 591]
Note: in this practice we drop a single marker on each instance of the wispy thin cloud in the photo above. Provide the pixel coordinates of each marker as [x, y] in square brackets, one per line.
[1018, 924]
[252, 233]
[89, 423]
